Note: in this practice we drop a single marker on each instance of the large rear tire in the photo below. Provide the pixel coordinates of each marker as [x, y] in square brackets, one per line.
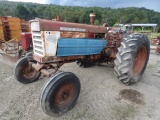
[132, 58]
[60, 94]
[24, 73]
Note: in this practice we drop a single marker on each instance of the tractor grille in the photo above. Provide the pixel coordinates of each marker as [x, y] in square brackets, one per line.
[38, 44]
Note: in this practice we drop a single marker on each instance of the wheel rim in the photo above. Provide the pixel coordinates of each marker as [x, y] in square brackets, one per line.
[64, 94]
[140, 60]
[28, 72]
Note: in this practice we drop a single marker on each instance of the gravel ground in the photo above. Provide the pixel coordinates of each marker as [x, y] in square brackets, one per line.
[102, 96]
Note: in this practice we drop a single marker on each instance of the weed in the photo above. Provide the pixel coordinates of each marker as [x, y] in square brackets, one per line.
[123, 112]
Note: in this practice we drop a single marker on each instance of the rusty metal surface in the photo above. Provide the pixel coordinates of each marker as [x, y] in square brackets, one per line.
[55, 59]
[36, 66]
[92, 18]
[28, 71]
[40, 67]
[158, 48]
[43, 68]
[49, 25]
[73, 34]
[156, 41]
[58, 18]
[46, 73]
[110, 52]
[158, 45]
[64, 94]
[112, 36]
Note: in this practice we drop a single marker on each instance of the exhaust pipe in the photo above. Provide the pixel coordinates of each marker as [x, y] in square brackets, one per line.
[92, 18]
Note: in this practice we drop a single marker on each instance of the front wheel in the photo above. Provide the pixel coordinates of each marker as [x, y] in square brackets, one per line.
[24, 73]
[132, 58]
[60, 94]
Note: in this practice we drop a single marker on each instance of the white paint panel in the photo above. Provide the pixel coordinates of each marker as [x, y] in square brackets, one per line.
[39, 52]
[51, 39]
[35, 26]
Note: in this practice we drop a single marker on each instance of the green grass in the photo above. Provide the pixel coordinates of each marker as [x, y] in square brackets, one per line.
[153, 35]
[124, 112]
[152, 66]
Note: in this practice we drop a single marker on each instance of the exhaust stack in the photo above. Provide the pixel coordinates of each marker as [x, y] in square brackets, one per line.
[92, 18]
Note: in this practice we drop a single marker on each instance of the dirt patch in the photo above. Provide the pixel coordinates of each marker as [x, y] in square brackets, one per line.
[132, 95]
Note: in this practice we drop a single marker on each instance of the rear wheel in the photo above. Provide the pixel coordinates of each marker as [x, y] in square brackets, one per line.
[60, 94]
[24, 73]
[132, 58]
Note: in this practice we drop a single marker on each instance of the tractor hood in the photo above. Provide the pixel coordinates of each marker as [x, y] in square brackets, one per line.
[50, 25]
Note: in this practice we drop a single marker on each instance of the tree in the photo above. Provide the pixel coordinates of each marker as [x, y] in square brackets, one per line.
[136, 20]
[40, 11]
[22, 12]
[85, 18]
[76, 14]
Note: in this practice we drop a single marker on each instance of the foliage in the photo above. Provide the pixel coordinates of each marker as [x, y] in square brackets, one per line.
[22, 12]
[78, 14]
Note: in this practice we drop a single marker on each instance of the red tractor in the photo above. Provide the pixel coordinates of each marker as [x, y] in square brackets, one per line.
[156, 41]
[26, 41]
[158, 45]
[56, 43]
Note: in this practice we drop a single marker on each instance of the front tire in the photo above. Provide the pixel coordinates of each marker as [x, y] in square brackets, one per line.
[132, 58]
[60, 94]
[23, 73]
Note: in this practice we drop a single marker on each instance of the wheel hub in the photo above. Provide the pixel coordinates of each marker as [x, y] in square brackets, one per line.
[64, 94]
[28, 72]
